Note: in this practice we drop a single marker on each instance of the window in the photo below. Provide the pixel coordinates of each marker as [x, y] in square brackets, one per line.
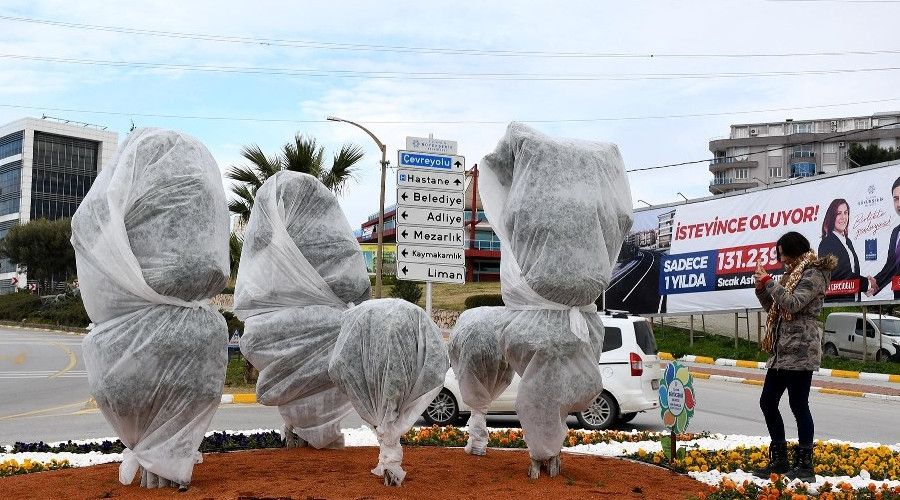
[720, 178]
[829, 147]
[803, 128]
[644, 336]
[776, 172]
[11, 145]
[802, 151]
[803, 169]
[870, 330]
[742, 173]
[64, 169]
[861, 123]
[612, 338]
[740, 154]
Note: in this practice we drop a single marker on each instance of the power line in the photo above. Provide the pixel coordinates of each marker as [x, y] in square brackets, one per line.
[326, 45]
[779, 148]
[451, 122]
[395, 75]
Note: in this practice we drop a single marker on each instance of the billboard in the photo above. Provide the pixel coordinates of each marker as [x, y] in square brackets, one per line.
[389, 260]
[700, 256]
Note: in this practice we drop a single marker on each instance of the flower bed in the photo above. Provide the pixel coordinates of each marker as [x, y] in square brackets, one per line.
[515, 438]
[846, 470]
[12, 467]
[830, 460]
[779, 489]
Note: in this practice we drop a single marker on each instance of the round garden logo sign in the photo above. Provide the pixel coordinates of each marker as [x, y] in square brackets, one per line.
[676, 397]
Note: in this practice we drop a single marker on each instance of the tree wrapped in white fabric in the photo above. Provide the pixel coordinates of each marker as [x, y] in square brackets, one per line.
[300, 268]
[561, 209]
[151, 246]
[391, 361]
[480, 367]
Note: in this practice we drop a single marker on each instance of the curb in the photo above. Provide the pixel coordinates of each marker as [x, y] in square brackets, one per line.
[42, 328]
[761, 365]
[822, 390]
[238, 399]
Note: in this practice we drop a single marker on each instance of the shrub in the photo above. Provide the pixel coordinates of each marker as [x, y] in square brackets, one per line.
[409, 291]
[233, 322]
[386, 279]
[64, 310]
[18, 306]
[484, 300]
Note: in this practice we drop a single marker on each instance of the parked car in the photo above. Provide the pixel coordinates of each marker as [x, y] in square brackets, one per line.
[631, 373]
[844, 336]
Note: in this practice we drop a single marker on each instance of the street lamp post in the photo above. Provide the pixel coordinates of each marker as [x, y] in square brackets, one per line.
[379, 253]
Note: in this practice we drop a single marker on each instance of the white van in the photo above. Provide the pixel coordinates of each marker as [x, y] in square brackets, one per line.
[844, 336]
[631, 376]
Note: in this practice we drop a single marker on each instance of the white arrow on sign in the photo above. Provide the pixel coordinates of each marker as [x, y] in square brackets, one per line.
[430, 272]
[430, 199]
[434, 162]
[419, 178]
[420, 254]
[429, 217]
[434, 236]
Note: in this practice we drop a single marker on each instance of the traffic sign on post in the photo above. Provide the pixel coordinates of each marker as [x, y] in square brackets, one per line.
[431, 272]
[430, 212]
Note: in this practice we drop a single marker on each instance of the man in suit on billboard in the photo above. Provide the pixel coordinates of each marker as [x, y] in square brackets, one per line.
[892, 266]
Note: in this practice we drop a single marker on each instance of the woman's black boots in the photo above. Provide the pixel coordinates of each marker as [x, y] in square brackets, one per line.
[803, 465]
[778, 461]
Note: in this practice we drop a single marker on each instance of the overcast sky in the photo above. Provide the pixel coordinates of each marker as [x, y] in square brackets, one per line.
[435, 56]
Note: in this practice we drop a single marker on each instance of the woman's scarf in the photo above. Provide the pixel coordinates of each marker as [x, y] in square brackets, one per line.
[789, 281]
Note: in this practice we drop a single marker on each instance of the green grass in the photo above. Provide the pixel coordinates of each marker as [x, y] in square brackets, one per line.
[675, 341]
[236, 376]
[452, 297]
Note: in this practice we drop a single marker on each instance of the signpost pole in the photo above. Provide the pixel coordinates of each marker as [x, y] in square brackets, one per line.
[865, 334]
[428, 298]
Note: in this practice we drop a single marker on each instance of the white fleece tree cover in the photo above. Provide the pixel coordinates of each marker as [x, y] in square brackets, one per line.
[561, 209]
[391, 360]
[151, 246]
[480, 367]
[300, 268]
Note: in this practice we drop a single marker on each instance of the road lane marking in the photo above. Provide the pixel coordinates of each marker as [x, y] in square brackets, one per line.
[72, 360]
[44, 410]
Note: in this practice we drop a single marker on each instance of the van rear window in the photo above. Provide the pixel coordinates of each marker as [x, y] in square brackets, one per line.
[612, 338]
[644, 336]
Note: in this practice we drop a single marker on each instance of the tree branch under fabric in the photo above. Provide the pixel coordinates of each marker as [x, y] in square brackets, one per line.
[43, 248]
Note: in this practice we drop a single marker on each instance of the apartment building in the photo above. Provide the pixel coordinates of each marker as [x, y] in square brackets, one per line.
[759, 154]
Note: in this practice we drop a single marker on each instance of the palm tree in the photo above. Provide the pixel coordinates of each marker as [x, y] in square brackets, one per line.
[303, 154]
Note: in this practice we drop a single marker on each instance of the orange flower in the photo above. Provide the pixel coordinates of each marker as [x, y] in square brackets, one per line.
[845, 486]
[773, 477]
[871, 487]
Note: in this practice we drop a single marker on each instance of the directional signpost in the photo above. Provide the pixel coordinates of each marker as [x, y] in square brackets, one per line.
[430, 204]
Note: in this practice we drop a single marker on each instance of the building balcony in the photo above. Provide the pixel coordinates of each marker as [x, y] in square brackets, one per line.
[802, 154]
[722, 164]
[726, 184]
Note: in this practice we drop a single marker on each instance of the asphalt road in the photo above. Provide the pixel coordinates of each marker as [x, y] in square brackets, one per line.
[634, 285]
[43, 396]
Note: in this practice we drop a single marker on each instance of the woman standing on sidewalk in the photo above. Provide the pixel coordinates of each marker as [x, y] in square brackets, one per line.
[795, 347]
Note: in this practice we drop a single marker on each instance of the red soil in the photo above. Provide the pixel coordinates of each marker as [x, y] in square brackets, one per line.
[432, 473]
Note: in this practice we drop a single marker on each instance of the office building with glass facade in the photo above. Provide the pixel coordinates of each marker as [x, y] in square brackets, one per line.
[46, 168]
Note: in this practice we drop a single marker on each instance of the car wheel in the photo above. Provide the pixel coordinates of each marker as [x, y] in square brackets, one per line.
[601, 414]
[627, 417]
[882, 355]
[444, 410]
[830, 350]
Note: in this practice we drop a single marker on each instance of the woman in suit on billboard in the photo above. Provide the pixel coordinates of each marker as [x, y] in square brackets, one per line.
[835, 241]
